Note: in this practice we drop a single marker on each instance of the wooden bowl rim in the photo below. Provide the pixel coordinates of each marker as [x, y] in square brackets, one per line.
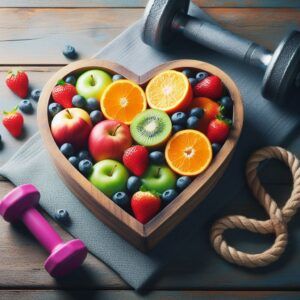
[62, 163]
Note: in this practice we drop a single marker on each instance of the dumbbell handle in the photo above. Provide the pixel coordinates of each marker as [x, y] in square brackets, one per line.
[221, 40]
[41, 229]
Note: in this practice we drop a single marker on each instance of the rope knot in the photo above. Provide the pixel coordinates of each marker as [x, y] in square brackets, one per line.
[278, 218]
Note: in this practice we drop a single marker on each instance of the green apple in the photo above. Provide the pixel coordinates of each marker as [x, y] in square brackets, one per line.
[109, 176]
[159, 179]
[92, 83]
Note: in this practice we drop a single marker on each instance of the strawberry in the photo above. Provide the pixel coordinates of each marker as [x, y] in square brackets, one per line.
[210, 87]
[145, 206]
[136, 159]
[63, 94]
[17, 81]
[218, 130]
[13, 121]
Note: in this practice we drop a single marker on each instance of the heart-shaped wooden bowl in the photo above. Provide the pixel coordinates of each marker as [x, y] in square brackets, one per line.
[142, 236]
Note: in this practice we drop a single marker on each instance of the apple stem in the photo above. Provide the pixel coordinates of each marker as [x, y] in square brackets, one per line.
[93, 80]
[158, 171]
[68, 112]
[114, 132]
[113, 169]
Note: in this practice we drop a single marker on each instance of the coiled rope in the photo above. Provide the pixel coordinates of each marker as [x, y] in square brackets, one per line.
[279, 217]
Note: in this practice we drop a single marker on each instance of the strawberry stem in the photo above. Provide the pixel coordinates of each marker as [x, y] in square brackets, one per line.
[60, 82]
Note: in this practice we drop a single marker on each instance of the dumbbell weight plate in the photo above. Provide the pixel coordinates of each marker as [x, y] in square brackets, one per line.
[280, 78]
[158, 18]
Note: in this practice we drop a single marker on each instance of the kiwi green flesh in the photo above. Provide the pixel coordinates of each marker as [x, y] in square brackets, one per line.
[151, 128]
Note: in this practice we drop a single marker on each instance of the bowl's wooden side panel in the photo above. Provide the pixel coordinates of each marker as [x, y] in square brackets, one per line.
[146, 236]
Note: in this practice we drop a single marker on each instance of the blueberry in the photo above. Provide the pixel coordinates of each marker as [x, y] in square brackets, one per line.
[71, 79]
[197, 112]
[96, 116]
[157, 157]
[227, 105]
[192, 122]
[117, 77]
[35, 94]
[188, 73]
[168, 196]
[201, 75]
[26, 107]
[62, 216]
[183, 182]
[133, 184]
[67, 149]
[74, 160]
[177, 128]
[193, 81]
[85, 167]
[92, 104]
[84, 154]
[54, 108]
[79, 101]
[121, 199]
[179, 118]
[70, 52]
[216, 148]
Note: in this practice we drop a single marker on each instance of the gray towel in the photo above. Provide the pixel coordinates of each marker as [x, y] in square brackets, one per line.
[265, 124]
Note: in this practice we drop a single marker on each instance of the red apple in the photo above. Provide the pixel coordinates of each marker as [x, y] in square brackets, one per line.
[109, 139]
[71, 125]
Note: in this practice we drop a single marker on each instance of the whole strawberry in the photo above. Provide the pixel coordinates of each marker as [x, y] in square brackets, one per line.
[210, 87]
[13, 121]
[63, 93]
[145, 206]
[218, 130]
[17, 81]
[136, 159]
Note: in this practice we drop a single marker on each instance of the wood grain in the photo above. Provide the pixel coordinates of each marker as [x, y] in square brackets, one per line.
[142, 3]
[41, 34]
[22, 258]
[145, 236]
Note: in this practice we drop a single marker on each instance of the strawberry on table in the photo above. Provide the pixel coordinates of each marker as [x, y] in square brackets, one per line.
[145, 206]
[136, 159]
[210, 87]
[218, 130]
[17, 81]
[13, 121]
[63, 93]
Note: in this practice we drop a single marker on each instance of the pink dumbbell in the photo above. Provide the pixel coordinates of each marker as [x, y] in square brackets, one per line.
[20, 204]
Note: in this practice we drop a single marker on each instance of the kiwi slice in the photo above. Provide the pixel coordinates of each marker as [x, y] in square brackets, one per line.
[151, 128]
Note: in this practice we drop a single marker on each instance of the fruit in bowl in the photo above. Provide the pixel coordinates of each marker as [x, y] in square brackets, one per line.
[109, 139]
[144, 143]
[71, 125]
[92, 83]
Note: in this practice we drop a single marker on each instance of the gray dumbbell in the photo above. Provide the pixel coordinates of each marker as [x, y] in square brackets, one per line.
[164, 18]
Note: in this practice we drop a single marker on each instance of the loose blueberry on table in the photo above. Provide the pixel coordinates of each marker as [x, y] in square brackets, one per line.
[141, 146]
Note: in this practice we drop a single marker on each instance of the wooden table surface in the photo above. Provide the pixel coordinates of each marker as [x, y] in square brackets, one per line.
[32, 35]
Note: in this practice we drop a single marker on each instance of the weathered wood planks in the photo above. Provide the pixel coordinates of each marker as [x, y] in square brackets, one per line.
[142, 3]
[41, 34]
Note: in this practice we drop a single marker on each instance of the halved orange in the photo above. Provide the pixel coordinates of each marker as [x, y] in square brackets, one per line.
[122, 100]
[169, 91]
[188, 152]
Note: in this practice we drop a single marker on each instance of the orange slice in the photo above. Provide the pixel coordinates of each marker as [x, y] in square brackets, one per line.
[188, 152]
[169, 91]
[122, 100]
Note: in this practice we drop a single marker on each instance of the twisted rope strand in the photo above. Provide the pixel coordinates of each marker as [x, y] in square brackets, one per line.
[279, 217]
